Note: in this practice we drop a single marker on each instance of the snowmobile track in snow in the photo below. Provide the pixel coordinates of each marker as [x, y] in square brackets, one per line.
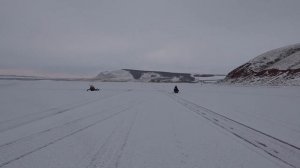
[23, 120]
[18, 149]
[278, 149]
[58, 127]
[110, 152]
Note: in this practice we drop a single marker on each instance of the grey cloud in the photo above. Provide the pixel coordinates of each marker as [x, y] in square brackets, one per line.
[173, 35]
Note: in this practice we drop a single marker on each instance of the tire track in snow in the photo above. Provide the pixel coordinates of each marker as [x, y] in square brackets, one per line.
[278, 149]
[183, 156]
[16, 151]
[23, 120]
[110, 152]
[58, 127]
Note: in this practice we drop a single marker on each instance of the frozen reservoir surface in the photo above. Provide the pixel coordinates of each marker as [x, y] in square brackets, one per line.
[55, 124]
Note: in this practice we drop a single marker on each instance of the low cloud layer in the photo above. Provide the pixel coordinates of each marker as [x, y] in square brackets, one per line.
[85, 37]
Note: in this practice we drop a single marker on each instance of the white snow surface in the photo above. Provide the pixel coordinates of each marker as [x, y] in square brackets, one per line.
[146, 77]
[115, 76]
[280, 58]
[291, 62]
[57, 124]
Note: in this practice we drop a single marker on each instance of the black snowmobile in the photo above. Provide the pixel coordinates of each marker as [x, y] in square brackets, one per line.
[176, 90]
[92, 88]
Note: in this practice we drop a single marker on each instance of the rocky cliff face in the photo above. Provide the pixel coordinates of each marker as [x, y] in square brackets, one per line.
[276, 67]
[131, 75]
[126, 75]
[157, 76]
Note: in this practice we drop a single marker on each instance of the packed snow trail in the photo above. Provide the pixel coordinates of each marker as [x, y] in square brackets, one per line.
[130, 125]
[111, 151]
[22, 120]
[22, 147]
[283, 151]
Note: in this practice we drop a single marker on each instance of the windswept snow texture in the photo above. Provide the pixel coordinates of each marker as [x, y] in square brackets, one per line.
[57, 124]
[276, 67]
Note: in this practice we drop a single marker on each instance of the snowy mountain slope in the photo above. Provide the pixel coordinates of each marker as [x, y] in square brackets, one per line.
[57, 124]
[158, 76]
[126, 75]
[276, 67]
[129, 75]
[32, 78]
[115, 76]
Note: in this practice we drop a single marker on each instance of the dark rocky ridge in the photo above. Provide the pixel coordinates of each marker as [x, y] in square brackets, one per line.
[276, 67]
[164, 76]
[133, 75]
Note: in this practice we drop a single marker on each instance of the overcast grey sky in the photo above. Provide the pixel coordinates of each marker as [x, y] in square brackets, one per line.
[89, 36]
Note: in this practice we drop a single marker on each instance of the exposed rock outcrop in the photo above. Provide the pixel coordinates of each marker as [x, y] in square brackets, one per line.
[276, 67]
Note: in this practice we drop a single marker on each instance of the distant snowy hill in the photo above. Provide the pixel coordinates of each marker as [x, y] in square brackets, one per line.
[126, 75]
[32, 78]
[130, 75]
[276, 67]
[114, 76]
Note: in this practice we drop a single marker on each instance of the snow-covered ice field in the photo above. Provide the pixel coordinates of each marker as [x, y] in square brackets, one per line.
[55, 124]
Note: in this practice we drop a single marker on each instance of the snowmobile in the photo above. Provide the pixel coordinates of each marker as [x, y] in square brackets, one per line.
[92, 88]
[176, 90]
